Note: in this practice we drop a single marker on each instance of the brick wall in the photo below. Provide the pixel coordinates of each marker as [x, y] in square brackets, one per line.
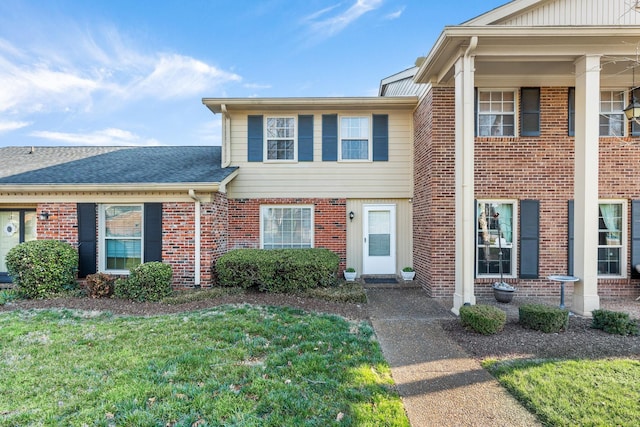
[62, 223]
[330, 228]
[178, 235]
[538, 168]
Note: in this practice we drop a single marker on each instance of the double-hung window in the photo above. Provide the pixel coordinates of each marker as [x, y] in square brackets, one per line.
[355, 140]
[495, 237]
[611, 229]
[121, 234]
[612, 120]
[281, 137]
[284, 227]
[496, 113]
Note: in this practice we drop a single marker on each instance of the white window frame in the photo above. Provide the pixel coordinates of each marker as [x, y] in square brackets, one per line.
[513, 246]
[294, 138]
[623, 244]
[615, 115]
[500, 112]
[264, 209]
[102, 239]
[342, 136]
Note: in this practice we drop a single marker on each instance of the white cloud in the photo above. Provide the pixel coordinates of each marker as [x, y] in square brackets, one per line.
[332, 25]
[395, 15]
[105, 137]
[11, 126]
[177, 76]
[77, 73]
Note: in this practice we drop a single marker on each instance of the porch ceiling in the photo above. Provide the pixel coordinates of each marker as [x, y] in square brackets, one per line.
[533, 56]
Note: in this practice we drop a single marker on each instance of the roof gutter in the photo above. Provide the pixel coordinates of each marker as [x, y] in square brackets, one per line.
[128, 187]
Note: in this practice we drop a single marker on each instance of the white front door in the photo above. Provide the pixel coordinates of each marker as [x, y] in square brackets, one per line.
[379, 239]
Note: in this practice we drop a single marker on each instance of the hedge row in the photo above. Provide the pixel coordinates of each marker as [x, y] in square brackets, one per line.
[278, 270]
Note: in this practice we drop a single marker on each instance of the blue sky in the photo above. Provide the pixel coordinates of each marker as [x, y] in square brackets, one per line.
[122, 72]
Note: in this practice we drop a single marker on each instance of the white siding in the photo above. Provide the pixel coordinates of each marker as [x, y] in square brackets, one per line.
[388, 179]
[579, 12]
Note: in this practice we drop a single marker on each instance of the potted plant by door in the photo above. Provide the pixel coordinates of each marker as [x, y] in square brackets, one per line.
[408, 273]
[350, 274]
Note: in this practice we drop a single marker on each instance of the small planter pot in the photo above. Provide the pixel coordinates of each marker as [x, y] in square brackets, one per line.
[408, 275]
[503, 292]
[350, 276]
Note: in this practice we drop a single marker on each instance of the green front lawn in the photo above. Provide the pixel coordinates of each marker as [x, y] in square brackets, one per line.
[574, 392]
[232, 365]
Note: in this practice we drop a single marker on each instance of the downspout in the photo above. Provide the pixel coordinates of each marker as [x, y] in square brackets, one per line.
[226, 136]
[192, 194]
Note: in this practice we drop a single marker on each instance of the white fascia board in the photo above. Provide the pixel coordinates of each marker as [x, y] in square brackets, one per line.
[368, 103]
[129, 187]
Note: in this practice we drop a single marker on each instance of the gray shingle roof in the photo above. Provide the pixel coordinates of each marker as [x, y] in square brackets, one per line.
[111, 165]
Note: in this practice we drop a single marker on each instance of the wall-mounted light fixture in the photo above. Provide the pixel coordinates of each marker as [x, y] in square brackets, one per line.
[351, 216]
[44, 216]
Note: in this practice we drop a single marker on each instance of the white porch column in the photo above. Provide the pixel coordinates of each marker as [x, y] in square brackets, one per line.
[585, 262]
[464, 170]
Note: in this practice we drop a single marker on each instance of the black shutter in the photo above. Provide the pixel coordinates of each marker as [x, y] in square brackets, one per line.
[635, 126]
[530, 111]
[255, 136]
[570, 240]
[380, 137]
[305, 138]
[529, 238]
[635, 238]
[329, 137]
[152, 232]
[87, 241]
[571, 108]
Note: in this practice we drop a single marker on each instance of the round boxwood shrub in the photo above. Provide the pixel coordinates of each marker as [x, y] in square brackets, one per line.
[41, 268]
[150, 281]
[484, 319]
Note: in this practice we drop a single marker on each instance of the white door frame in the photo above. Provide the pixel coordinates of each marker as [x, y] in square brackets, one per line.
[379, 264]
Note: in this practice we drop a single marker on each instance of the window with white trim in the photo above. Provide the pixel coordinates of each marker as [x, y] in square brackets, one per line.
[280, 137]
[283, 227]
[612, 220]
[355, 140]
[612, 120]
[496, 112]
[496, 234]
[121, 237]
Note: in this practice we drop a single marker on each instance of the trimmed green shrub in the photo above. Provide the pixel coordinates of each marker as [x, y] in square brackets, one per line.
[484, 319]
[41, 268]
[545, 318]
[614, 322]
[278, 270]
[100, 285]
[150, 281]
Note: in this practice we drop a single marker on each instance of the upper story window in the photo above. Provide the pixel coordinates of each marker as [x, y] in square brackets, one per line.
[612, 120]
[496, 113]
[355, 141]
[280, 136]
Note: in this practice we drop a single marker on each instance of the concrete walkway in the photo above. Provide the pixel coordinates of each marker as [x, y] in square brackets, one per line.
[440, 384]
